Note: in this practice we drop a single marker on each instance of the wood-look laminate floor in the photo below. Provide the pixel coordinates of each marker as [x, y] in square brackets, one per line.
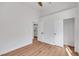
[71, 50]
[38, 49]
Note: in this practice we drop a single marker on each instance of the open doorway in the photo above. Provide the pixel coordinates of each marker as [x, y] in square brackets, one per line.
[35, 33]
[68, 30]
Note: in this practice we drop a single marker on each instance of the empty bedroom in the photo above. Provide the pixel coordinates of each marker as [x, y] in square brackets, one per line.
[39, 29]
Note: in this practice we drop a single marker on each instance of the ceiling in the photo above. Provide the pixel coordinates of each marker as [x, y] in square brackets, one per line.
[33, 5]
[50, 7]
[56, 6]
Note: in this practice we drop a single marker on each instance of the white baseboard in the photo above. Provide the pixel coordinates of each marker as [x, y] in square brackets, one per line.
[52, 43]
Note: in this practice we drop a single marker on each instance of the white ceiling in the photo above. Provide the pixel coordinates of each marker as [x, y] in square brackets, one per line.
[56, 6]
[50, 7]
[33, 5]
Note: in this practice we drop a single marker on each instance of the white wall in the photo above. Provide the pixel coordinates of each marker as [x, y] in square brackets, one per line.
[77, 30]
[68, 29]
[16, 28]
[53, 23]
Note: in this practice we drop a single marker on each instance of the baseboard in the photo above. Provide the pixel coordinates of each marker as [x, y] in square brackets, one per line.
[51, 43]
[7, 51]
